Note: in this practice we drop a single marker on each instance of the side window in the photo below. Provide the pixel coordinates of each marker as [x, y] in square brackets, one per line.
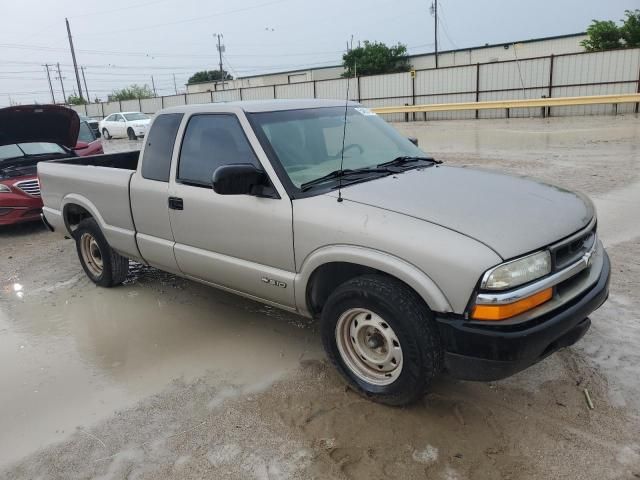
[209, 142]
[156, 162]
[85, 134]
[109, 118]
[119, 118]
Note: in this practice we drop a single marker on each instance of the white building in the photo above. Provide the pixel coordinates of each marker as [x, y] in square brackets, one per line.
[536, 47]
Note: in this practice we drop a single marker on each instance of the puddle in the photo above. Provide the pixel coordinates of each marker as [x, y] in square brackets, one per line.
[84, 352]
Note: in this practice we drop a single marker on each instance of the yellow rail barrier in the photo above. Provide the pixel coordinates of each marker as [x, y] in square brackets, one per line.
[508, 104]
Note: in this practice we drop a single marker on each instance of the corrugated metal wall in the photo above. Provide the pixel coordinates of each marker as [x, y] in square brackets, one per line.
[609, 72]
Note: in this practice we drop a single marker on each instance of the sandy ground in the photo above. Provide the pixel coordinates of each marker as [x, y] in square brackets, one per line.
[165, 378]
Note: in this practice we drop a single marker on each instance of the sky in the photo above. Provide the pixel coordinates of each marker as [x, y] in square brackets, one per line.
[120, 42]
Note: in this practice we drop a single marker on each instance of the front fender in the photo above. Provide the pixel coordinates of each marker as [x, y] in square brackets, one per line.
[385, 262]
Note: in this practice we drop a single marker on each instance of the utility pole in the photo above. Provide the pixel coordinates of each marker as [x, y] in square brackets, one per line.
[153, 83]
[60, 77]
[73, 55]
[53, 97]
[434, 12]
[86, 90]
[221, 49]
[175, 86]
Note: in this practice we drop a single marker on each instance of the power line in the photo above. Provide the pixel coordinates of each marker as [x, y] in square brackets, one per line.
[188, 20]
[129, 7]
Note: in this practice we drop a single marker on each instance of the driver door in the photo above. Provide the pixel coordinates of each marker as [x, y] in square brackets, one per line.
[242, 243]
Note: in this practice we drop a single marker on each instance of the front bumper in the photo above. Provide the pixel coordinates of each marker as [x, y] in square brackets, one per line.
[18, 207]
[19, 214]
[492, 352]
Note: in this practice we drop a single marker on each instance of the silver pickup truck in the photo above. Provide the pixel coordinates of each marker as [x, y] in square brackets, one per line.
[413, 268]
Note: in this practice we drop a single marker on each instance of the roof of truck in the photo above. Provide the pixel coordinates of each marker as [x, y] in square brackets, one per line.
[259, 105]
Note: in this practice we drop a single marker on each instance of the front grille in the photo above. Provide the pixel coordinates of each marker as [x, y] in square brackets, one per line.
[30, 187]
[572, 249]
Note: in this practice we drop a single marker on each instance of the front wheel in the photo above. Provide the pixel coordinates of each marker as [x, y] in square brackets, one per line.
[103, 265]
[131, 134]
[382, 338]
[105, 134]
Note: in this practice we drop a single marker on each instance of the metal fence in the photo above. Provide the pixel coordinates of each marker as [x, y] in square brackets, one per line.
[566, 75]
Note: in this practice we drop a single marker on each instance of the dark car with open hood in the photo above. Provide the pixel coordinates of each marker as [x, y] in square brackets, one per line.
[30, 134]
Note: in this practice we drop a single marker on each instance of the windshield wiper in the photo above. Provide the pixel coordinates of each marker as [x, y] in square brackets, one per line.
[346, 173]
[405, 159]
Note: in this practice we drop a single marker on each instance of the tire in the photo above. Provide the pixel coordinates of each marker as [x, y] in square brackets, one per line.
[382, 312]
[106, 135]
[100, 262]
[131, 134]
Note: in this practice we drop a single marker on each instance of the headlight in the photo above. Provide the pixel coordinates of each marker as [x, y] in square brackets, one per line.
[517, 272]
[4, 188]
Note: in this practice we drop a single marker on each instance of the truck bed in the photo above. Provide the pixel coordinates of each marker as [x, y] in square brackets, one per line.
[120, 160]
[100, 185]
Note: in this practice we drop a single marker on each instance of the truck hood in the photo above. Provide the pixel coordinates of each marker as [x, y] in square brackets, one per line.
[511, 215]
[39, 123]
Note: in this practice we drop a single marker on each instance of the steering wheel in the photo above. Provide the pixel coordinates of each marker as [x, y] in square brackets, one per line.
[349, 147]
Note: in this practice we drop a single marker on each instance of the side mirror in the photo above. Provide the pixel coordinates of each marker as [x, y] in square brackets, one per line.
[413, 140]
[81, 146]
[238, 179]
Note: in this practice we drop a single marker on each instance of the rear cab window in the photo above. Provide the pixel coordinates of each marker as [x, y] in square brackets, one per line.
[156, 161]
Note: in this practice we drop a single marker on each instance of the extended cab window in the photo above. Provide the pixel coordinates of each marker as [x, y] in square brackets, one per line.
[209, 142]
[156, 162]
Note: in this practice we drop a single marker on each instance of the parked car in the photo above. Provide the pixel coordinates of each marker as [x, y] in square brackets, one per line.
[32, 134]
[412, 267]
[125, 124]
[93, 123]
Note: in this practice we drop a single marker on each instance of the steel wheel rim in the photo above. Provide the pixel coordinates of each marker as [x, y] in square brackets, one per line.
[91, 254]
[368, 346]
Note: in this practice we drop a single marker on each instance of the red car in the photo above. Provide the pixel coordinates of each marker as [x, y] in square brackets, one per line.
[32, 134]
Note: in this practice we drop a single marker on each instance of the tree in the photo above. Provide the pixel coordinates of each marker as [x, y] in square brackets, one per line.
[603, 35]
[374, 58]
[209, 76]
[132, 92]
[630, 29]
[75, 100]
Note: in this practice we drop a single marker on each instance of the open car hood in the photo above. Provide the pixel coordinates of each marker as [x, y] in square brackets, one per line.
[39, 123]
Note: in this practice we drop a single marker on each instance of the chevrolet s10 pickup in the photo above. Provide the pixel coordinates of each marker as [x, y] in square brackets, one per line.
[413, 268]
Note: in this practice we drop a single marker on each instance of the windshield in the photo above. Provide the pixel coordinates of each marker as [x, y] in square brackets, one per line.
[308, 143]
[25, 149]
[135, 116]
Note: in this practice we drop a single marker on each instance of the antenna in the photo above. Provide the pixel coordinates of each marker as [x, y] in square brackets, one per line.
[344, 132]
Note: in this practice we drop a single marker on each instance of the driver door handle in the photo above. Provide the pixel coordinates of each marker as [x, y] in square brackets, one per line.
[176, 203]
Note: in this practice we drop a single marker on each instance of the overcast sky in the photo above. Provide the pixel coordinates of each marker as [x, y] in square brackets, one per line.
[126, 41]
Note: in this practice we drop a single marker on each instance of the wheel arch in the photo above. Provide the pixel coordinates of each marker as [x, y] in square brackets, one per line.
[76, 208]
[327, 268]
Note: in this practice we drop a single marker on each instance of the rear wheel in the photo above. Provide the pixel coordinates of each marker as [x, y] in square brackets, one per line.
[382, 338]
[103, 265]
[131, 134]
[105, 134]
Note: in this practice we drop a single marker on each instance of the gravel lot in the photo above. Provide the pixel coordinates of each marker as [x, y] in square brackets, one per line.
[165, 378]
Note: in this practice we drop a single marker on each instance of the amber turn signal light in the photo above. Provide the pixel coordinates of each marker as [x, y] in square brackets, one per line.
[502, 312]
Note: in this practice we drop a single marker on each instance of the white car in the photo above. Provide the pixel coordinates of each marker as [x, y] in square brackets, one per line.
[125, 124]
